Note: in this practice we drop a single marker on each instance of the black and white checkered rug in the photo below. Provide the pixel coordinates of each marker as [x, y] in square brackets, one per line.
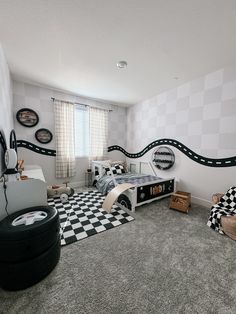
[83, 216]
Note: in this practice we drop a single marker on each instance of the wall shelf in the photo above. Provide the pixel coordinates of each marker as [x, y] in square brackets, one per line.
[163, 158]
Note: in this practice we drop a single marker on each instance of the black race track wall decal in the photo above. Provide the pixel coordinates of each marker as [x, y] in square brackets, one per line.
[209, 162]
[35, 148]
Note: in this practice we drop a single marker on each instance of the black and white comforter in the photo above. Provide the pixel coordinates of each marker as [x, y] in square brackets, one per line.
[105, 184]
[226, 207]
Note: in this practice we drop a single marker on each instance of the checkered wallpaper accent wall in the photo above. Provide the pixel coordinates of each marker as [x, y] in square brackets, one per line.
[201, 114]
[39, 99]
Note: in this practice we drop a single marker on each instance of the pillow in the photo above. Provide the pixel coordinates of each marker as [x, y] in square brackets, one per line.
[122, 163]
[98, 167]
[115, 169]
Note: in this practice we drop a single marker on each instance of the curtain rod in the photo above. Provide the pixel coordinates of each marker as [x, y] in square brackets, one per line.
[76, 103]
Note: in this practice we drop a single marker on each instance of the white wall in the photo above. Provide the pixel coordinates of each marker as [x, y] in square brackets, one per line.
[39, 99]
[6, 116]
[202, 115]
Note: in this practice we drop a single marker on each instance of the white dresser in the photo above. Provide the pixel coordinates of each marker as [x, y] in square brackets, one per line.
[24, 193]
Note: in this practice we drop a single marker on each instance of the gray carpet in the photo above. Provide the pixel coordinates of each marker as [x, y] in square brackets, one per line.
[163, 262]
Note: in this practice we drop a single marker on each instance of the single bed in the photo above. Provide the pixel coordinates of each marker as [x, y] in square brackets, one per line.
[148, 187]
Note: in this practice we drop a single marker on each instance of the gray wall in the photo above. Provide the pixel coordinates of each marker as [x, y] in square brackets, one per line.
[6, 117]
[202, 115]
[39, 99]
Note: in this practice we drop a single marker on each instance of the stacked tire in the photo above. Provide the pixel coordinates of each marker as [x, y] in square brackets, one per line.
[28, 251]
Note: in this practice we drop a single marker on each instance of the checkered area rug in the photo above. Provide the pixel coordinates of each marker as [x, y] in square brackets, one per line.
[82, 216]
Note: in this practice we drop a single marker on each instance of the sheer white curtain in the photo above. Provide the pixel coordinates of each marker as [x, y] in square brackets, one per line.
[65, 139]
[98, 125]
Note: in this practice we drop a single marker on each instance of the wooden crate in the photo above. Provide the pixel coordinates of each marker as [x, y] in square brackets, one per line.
[180, 201]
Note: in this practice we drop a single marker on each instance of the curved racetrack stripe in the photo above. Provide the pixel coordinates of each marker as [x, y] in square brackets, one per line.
[209, 162]
[35, 148]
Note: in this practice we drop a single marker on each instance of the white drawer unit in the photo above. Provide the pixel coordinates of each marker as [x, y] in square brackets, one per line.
[22, 194]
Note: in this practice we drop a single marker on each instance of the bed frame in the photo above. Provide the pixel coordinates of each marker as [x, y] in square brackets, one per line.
[142, 193]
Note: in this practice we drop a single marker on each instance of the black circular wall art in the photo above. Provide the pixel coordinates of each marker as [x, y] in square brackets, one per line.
[3, 141]
[13, 141]
[43, 136]
[163, 158]
[3, 148]
[27, 117]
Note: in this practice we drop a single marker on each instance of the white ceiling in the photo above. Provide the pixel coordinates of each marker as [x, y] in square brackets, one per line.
[74, 45]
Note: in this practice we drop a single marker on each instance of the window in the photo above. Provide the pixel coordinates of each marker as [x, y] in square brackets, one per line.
[91, 132]
[81, 131]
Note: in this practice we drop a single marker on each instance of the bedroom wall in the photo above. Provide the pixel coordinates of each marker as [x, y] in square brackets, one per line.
[6, 116]
[202, 115]
[39, 99]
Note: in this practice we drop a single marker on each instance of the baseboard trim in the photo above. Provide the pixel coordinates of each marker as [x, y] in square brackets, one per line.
[201, 201]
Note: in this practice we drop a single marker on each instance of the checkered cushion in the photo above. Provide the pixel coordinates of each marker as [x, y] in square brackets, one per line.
[83, 216]
[226, 207]
[116, 169]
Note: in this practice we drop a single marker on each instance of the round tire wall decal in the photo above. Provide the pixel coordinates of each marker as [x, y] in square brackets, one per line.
[13, 141]
[43, 136]
[163, 158]
[27, 117]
